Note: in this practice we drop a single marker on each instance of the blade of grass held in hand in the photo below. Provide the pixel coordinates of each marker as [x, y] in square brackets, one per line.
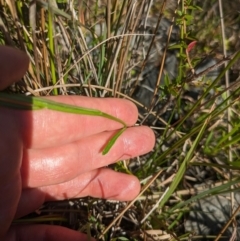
[112, 141]
[35, 103]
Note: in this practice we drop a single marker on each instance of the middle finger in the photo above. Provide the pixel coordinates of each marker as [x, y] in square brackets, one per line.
[54, 165]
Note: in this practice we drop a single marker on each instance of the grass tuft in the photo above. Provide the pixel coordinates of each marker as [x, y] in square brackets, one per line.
[113, 48]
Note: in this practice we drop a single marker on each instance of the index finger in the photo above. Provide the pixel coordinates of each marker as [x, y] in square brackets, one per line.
[46, 128]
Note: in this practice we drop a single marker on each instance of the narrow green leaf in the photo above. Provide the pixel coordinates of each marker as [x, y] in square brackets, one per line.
[112, 141]
[183, 166]
[51, 45]
[209, 192]
[226, 137]
[35, 103]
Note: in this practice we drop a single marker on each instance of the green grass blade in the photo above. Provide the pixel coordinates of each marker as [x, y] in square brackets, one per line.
[209, 192]
[32, 103]
[183, 166]
[112, 141]
[51, 46]
[36, 103]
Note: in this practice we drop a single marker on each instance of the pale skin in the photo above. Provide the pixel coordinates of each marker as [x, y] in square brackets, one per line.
[48, 155]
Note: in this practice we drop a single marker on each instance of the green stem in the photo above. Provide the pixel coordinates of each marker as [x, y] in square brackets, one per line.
[35, 103]
[51, 46]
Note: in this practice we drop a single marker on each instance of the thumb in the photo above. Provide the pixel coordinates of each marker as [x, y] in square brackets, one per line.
[13, 65]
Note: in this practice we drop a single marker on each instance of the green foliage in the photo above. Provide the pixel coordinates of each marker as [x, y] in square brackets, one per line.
[96, 48]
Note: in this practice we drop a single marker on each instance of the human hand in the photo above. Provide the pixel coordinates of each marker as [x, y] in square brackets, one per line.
[48, 155]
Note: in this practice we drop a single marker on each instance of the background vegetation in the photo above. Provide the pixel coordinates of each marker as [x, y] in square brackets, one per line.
[104, 48]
